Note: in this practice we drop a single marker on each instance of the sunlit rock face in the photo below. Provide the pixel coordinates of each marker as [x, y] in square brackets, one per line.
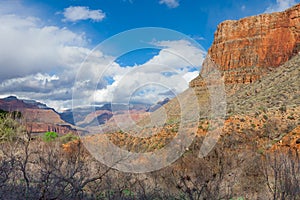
[244, 50]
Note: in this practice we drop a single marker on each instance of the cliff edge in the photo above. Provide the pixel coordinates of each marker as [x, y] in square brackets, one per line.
[245, 50]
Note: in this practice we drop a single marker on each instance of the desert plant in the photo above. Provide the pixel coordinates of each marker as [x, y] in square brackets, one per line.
[50, 136]
[68, 138]
[283, 108]
[9, 127]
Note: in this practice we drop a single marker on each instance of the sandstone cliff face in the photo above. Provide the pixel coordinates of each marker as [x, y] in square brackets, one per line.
[41, 127]
[36, 119]
[41, 115]
[14, 104]
[41, 121]
[244, 50]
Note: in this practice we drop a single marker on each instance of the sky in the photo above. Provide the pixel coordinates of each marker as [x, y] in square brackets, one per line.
[80, 52]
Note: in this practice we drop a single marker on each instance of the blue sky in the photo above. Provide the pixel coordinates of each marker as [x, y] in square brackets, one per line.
[195, 18]
[44, 43]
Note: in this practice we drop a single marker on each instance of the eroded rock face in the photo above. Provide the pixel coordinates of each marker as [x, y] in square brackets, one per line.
[41, 121]
[36, 117]
[41, 115]
[40, 127]
[244, 50]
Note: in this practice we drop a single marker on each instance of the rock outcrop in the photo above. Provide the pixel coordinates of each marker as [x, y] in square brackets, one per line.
[41, 115]
[244, 50]
[36, 117]
[41, 127]
[41, 121]
[12, 103]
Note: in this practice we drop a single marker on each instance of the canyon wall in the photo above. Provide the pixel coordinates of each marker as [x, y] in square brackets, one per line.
[244, 50]
[41, 121]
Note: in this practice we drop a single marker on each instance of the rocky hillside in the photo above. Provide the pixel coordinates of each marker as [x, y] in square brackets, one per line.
[85, 115]
[256, 94]
[256, 154]
[269, 106]
[259, 62]
[37, 117]
[12, 103]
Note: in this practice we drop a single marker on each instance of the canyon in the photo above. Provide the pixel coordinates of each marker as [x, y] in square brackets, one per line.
[245, 50]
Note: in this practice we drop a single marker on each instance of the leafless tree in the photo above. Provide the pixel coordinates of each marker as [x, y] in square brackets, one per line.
[282, 174]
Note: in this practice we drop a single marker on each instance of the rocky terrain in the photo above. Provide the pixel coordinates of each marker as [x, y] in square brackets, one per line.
[251, 73]
[246, 49]
[37, 117]
[258, 60]
[11, 103]
[80, 114]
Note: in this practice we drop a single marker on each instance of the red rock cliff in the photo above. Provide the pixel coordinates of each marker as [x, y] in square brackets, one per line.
[244, 49]
[41, 121]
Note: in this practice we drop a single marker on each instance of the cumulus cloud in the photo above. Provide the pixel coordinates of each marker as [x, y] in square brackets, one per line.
[43, 62]
[169, 70]
[37, 83]
[77, 13]
[280, 5]
[150, 82]
[27, 47]
[177, 53]
[40, 61]
[170, 3]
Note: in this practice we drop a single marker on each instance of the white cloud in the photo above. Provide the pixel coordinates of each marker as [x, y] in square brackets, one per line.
[190, 76]
[175, 59]
[77, 13]
[280, 5]
[26, 47]
[15, 6]
[197, 37]
[36, 82]
[178, 53]
[170, 3]
[41, 62]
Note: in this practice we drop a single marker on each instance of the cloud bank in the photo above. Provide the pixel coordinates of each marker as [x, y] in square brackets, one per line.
[167, 73]
[41, 62]
[28, 47]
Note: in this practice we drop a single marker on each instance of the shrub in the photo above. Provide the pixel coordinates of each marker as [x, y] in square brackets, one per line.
[200, 126]
[260, 151]
[50, 136]
[128, 193]
[9, 127]
[175, 129]
[262, 108]
[68, 138]
[3, 113]
[282, 108]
